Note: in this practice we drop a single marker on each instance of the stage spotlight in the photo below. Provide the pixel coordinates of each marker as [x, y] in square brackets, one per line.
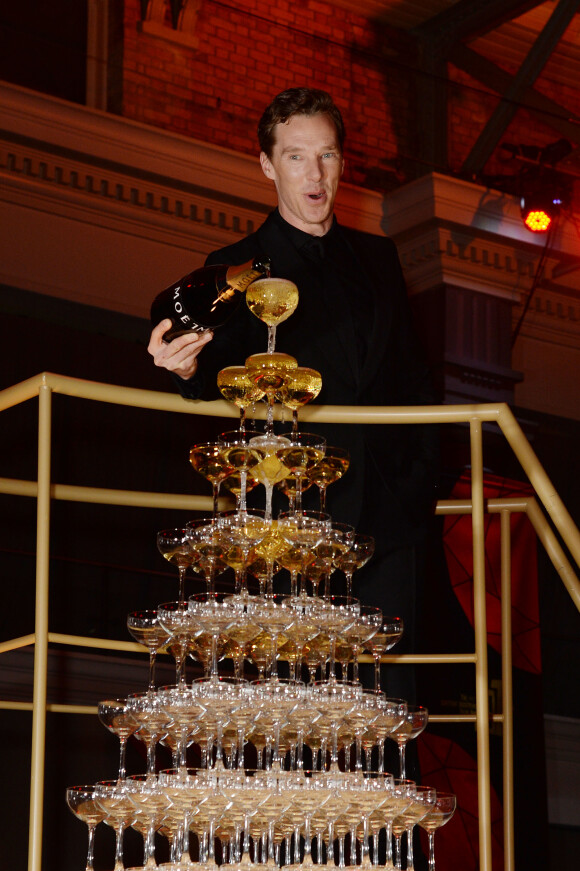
[539, 209]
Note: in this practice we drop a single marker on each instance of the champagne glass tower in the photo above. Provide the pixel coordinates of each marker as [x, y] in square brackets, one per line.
[280, 721]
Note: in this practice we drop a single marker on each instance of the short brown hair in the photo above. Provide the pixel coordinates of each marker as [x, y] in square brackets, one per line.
[297, 101]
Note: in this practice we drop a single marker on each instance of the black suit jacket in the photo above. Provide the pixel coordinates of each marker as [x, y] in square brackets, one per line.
[389, 486]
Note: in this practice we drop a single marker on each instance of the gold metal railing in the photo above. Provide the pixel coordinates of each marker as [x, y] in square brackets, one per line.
[46, 384]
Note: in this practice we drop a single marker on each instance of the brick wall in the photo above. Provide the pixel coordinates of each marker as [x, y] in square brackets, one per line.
[249, 52]
[246, 52]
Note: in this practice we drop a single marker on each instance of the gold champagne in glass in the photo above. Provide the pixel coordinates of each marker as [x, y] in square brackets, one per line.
[272, 300]
[80, 800]
[269, 373]
[330, 468]
[300, 387]
[438, 816]
[236, 385]
[208, 460]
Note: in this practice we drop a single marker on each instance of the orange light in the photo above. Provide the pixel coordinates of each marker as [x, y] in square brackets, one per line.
[537, 221]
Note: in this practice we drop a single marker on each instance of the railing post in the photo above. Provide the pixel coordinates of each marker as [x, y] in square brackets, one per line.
[41, 632]
[507, 691]
[480, 627]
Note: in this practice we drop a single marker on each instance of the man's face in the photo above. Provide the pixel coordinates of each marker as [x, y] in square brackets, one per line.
[306, 166]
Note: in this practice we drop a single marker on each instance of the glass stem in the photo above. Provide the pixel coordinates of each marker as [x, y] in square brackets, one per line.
[182, 571]
[298, 497]
[332, 658]
[322, 491]
[152, 661]
[149, 848]
[270, 413]
[377, 673]
[355, 653]
[402, 766]
[271, 339]
[269, 493]
[151, 754]
[219, 756]
[431, 851]
[122, 747]
[389, 846]
[119, 866]
[181, 649]
[215, 493]
[398, 852]
[410, 862]
[243, 485]
[348, 585]
[214, 657]
[91, 849]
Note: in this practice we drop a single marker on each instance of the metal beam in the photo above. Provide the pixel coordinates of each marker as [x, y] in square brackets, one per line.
[431, 95]
[527, 74]
[492, 76]
[470, 18]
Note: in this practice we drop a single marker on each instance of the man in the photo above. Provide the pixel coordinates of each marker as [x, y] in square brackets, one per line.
[353, 325]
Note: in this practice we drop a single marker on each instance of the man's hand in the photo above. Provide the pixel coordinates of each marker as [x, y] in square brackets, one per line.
[180, 355]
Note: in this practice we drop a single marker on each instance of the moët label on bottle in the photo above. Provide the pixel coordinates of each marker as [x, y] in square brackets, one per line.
[181, 314]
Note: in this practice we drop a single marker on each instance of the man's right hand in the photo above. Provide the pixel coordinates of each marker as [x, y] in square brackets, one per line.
[179, 355]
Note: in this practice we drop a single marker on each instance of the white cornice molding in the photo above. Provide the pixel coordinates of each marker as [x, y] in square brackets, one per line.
[180, 160]
[143, 194]
[483, 211]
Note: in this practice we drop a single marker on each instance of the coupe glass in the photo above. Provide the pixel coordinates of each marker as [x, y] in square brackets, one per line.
[308, 624]
[300, 387]
[334, 701]
[272, 300]
[275, 700]
[289, 486]
[263, 558]
[80, 800]
[112, 798]
[362, 717]
[175, 618]
[330, 468]
[152, 720]
[341, 612]
[184, 708]
[240, 532]
[367, 624]
[233, 483]
[274, 616]
[303, 452]
[392, 714]
[213, 613]
[338, 540]
[207, 459]
[236, 385]
[358, 556]
[303, 530]
[390, 632]
[175, 546]
[414, 723]
[240, 452]
[206, 544]
[146, 629]
[151, 803]
[219, 697]
[269, 372]
[438, 816]
[398, 800]
[423, 801]
[116, 716]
